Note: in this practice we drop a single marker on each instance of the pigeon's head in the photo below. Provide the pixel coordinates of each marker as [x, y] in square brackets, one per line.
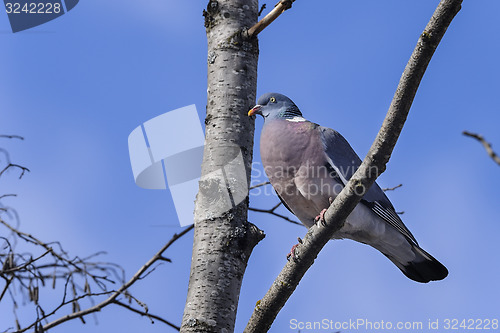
[275, 106]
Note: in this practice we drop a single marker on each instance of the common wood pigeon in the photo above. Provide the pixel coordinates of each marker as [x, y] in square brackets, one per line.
[308, 164]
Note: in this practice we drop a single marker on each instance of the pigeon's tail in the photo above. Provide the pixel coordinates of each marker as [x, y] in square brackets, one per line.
[423, 268]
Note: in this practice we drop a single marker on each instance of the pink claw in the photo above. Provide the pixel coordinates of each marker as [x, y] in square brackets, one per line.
[321, 217]
[292, 251]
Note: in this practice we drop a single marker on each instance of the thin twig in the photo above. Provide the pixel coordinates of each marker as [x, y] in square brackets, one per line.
[63, 303]
[259, 185]
[391, 188]
[272, 212]
[31, 239]
[372, 166]
[7, 284]
[485, 144]
[11, 165]
[262, 9]
[147, 314]
[11, 136]
[7, 195]
[23, 266]
[29, 274]
[269, 18]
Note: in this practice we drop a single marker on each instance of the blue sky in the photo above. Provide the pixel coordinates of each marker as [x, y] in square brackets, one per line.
[77, 86]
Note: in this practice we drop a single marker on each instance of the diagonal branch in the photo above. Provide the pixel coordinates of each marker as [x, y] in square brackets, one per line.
[147, 314]
[269, 18]
[260, 185]
[485, 144]
[373, 165]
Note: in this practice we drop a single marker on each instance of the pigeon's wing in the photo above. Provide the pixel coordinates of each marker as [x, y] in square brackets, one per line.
[283, 202]
[345, 162]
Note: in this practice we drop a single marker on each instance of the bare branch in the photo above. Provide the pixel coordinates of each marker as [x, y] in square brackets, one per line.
[269, 18]
[391, 188]
[26, 270]
[31, 239]
[372, 166]
[272, 212]
[28, 273]
[147, 314]
[11, 165]
[262, 9]
[7, 195]
[259, 185]
[11, 136]
[7, 284]
[122, 290]
[485, 144]
[23, 266]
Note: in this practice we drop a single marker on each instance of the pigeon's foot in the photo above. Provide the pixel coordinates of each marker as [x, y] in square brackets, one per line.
[321, 217]
[292, 254]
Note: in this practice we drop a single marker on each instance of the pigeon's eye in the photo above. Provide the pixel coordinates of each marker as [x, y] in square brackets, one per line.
[272, 100]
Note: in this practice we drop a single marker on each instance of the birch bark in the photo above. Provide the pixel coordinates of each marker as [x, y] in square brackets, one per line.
[223, 239]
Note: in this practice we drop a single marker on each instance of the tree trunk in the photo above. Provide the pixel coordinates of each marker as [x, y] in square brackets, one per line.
[223, 239]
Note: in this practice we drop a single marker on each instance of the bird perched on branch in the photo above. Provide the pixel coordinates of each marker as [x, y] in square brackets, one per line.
[308, 165]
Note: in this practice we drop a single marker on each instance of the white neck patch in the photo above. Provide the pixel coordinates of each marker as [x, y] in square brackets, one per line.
[296, 119]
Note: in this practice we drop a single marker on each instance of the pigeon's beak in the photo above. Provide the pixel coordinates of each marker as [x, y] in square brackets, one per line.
[255, 110]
